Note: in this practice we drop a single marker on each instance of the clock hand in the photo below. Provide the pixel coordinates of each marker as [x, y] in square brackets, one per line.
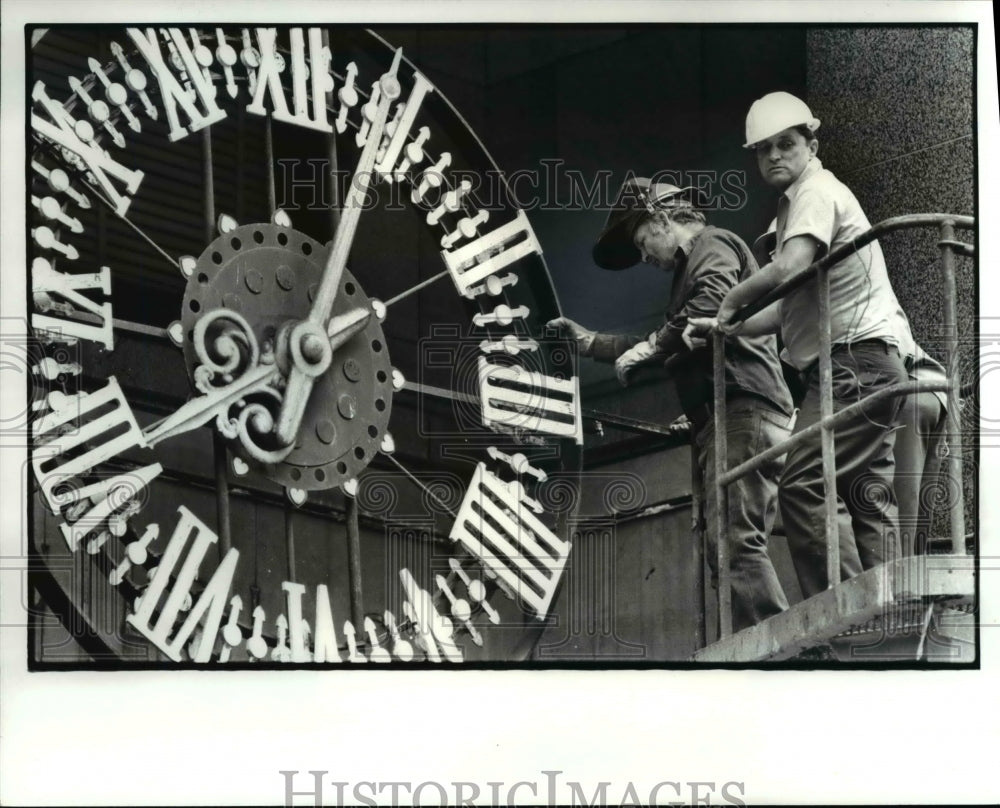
[200, 410]
[307, 350]
[298, 386]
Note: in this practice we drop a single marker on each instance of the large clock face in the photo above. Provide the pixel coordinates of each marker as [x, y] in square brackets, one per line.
[294, 398]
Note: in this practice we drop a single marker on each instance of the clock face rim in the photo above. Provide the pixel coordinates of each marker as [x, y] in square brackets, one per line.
[540, 275]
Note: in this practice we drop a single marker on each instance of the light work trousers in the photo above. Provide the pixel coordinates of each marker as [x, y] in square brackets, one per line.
[865, 464]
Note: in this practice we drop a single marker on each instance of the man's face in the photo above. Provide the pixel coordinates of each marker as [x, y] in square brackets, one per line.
[657, 242]
[783, 157]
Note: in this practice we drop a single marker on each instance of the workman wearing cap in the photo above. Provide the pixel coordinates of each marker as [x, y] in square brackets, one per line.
[817, 214]
[657, 224]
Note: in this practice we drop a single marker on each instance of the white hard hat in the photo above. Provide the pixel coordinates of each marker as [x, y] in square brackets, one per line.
[774, 113]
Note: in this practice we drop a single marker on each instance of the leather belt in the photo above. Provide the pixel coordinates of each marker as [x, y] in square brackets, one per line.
[881, 344]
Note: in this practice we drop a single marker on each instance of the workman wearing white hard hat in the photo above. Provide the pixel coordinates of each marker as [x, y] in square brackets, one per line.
[816, 214]
[920, 440]
[656, 223]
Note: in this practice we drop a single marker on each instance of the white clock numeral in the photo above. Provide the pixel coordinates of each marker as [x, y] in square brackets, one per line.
[115, 93]
[376, 653]
[107, 500]
[501, 315]
[510, 344]
[281, 652]
[450, 202]
[494, 285]
[268, 80]
[411, 106]
[368, 112]
[518, 463]
[97, 416]
[77, 137]
[210, 606]
[256, 646]
[476, 590]
[171, 91]
[98, 110]
[48, 368]
[509, 541]
[432, 177]
[436, 630]
[135, 554]
[50, 208]
[226, 54]
[465, 229]
[401, 649]
[58, 181]
[424, 638]
[325, 639]
[513, 398]
[46, 282]
[472, 263]
[46, 239]
[135, 79]
[232, 634]
[348, 97]
[460, 609]
[353, 655]
[296, 634]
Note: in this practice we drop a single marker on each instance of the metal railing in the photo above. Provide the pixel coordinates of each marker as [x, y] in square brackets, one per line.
[946, 225]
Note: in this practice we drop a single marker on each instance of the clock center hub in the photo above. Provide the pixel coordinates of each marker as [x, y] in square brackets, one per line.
[267, 276]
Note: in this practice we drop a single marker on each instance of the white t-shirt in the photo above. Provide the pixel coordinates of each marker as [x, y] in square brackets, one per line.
[862, 303]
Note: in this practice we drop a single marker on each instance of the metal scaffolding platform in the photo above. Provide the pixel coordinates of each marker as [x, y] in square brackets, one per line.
[871, 603]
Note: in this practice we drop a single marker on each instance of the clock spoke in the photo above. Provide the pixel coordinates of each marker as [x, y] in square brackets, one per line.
[420, 485]
[175, 263]
[416, 288]
[354, 560]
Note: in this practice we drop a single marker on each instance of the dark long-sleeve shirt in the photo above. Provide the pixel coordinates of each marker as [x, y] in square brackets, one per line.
[711, 264]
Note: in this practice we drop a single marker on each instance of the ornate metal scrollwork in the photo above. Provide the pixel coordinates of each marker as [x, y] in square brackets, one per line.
[228, 350]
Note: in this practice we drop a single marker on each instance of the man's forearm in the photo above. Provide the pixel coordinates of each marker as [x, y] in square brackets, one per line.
[763, 322]
[608, 347]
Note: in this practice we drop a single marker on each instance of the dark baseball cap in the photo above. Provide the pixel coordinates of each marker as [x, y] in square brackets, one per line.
[638, 197]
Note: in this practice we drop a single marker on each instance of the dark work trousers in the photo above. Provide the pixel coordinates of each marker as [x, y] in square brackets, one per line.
[918, 452]
[863, 451]
[752, 426]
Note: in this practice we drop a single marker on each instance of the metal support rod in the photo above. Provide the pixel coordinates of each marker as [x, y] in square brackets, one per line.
[219, 452]
[222, 517]
[954, 414]
[272, 203]
[240, 160]
[721, 515]
[290, 539]
[698, 529]
[830, 531]
[354, 563]
[332, 164]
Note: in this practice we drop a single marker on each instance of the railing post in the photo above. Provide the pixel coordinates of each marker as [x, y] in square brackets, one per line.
[721, 516]
[698, 529]
[954, 415]
[830, 530]
[220, 456]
